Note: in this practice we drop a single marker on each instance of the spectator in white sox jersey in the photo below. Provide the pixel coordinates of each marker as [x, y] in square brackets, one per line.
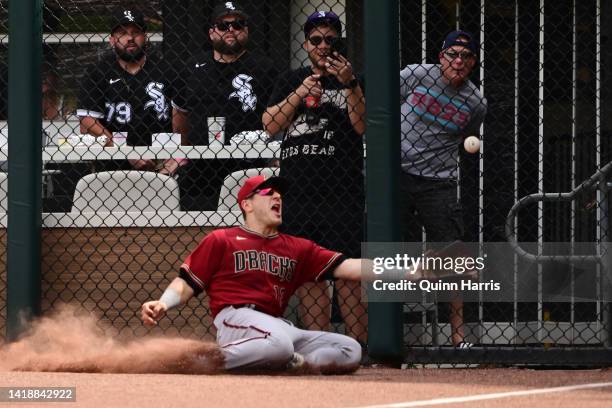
[129, 91]
[230, 82]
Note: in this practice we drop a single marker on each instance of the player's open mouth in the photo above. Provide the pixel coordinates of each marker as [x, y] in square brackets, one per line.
[276, 208]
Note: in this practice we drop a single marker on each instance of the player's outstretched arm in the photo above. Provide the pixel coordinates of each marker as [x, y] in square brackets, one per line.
[364, 270]
[177, 293]
[355, 269]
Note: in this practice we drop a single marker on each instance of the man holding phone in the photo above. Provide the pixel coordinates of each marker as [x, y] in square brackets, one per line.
[320, 111]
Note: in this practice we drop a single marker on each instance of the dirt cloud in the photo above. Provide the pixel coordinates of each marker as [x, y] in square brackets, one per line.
[73, 340]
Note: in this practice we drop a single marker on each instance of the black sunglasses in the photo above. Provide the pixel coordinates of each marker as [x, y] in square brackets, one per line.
[453, 55]
[225, 25]
[316, 40]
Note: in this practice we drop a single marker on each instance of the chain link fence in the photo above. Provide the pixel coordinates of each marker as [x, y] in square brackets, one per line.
[186, 128]
[541, 67]
[142, 161]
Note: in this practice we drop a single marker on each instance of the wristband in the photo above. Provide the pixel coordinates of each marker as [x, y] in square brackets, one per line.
[170, 298]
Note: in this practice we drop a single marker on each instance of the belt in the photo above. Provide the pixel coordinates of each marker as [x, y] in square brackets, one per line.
[248, 306]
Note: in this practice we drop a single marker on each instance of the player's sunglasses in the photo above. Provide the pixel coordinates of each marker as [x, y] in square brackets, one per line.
[263, 192]
[316, 40]
[235, 24]
[453, 55]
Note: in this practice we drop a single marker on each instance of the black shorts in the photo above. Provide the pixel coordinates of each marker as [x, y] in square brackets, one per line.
[433, 204]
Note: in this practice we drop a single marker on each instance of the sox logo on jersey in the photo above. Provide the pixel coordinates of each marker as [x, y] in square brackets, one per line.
[158, 102]
[244, 92]
[128, 14]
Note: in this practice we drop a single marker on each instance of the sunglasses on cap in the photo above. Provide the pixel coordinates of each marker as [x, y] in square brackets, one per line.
[263, 192]
[235, 24]
[453, 55]
[316, 40]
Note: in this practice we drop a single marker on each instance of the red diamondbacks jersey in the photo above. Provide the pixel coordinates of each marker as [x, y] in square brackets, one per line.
[237, 266]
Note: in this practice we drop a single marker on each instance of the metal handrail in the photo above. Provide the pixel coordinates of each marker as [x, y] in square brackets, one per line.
[589, 184]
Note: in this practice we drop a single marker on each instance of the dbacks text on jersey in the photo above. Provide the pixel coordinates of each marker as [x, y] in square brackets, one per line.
[253, 260]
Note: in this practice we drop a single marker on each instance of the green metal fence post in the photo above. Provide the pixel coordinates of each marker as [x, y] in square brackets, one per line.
[383, 154]
[25, 167]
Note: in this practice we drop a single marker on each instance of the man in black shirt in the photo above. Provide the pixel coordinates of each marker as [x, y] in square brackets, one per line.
[230, 82]
[321, 110]
[129, 91]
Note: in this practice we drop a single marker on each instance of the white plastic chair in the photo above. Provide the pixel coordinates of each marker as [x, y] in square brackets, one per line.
[233, 182]
[116, 191]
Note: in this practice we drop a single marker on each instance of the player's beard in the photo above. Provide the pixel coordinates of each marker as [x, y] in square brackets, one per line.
[128, 56]
[229, 49]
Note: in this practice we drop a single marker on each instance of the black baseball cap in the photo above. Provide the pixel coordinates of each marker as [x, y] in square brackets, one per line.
[322, 18]
[227, 8]
[124, 17]
[462, 38]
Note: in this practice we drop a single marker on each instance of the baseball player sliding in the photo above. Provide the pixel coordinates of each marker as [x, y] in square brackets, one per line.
[249, 273]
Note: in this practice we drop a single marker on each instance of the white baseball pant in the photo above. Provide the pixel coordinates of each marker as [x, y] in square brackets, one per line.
[251, 339]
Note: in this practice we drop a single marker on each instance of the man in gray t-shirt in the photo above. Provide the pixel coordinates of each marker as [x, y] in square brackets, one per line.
[440, 108]
[436, 117]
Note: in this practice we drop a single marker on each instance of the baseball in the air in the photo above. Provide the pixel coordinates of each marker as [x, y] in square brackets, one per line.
[471, 144]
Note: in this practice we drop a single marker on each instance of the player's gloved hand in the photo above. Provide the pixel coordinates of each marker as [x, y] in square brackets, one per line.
[152, 311]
